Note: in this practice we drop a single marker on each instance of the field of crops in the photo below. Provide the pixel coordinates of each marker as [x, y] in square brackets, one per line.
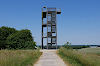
[95, 51]
[81, 57]
[18, 57]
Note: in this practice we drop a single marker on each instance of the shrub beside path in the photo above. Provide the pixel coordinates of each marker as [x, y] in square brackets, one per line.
[50, 58]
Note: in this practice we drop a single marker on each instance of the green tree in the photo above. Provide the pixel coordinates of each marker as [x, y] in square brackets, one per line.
[21, 40]
[4, 33]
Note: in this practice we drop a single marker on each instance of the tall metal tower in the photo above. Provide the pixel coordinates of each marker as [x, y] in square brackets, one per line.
[49, 26]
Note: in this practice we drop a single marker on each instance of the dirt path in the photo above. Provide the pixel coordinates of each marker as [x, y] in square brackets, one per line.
[50, 58]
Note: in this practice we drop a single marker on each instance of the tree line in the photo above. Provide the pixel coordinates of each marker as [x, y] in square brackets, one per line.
[10, 38]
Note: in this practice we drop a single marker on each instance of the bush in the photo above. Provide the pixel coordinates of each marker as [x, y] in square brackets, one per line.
[21, 40]
[4, 33]
[67, 45]
[79, 46]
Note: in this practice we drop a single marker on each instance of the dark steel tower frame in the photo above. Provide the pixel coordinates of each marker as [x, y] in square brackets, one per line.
[51, 25]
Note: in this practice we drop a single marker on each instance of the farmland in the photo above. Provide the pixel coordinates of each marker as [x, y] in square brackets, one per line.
[80, 57]
[18, 57]
[94, 51]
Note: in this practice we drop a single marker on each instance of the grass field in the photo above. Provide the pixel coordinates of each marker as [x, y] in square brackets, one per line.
[81, 57]
[95, 51]
[18, 57]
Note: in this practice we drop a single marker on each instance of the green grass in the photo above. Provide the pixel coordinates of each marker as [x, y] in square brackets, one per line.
[18, 57]
[79, 58]
[91, 51]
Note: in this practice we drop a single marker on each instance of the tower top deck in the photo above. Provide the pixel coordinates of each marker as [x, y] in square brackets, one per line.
[45, 9]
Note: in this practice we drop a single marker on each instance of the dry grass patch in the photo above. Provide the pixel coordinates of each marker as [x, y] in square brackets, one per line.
[18, 57]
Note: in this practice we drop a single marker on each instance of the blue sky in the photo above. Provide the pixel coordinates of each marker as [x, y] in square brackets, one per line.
[78, 23]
